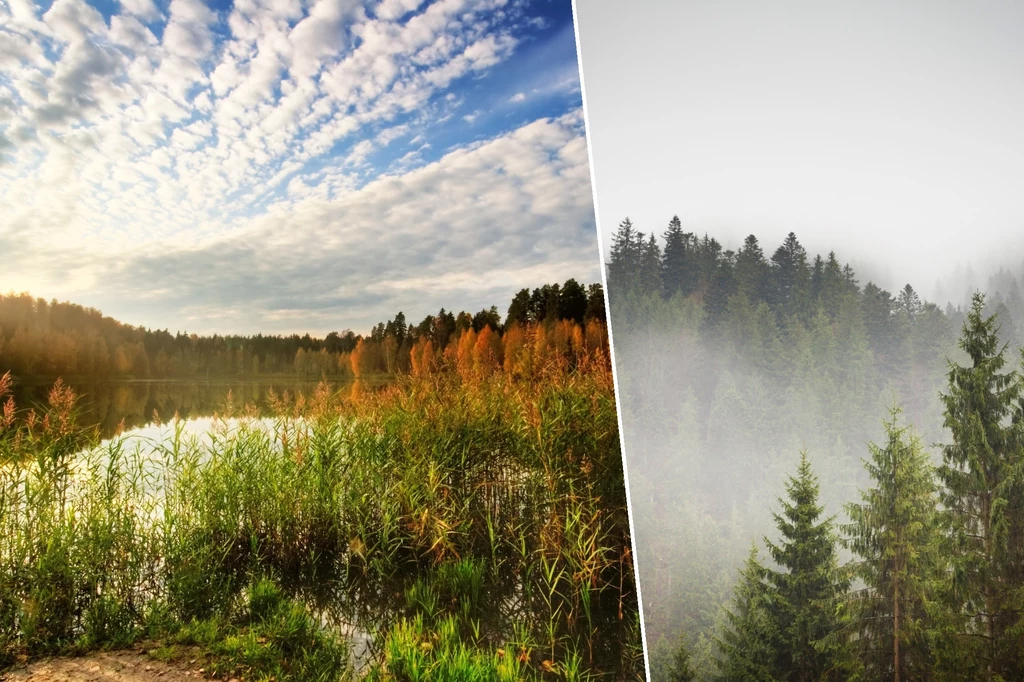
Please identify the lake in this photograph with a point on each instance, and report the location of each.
(140, 403)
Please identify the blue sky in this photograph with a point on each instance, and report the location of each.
(290, 165)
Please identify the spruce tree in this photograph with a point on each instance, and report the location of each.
(983, 506)
(790, 276)
(650, 266)
(624, 260)
(832, 285)
(681, 670)
(807, 593)
(674, 259)
(748, 648)
(752, 270)
(716, 301)
(895, 532)
(709, 251)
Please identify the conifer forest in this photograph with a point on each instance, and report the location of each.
(827, 477)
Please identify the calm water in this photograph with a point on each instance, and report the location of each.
(139, 403)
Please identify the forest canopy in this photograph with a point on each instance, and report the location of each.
(730, 363)
(40, 338)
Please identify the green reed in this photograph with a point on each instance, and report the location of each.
(473, 529)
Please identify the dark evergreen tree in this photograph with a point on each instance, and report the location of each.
(895, 532)
(752, 270)
(650, 266)
(595, 302)
(681, 670)
(908, 303)
(709, 252)
(519, 309)
(487, 318)
(832, 286)
(675, 259)
(624, 260)
(790, 276)
(983, 507)
(877, 305)
(572, 301)
(716, 301)
(807, 592)
(748, 647)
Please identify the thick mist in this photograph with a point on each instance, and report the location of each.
(889, 132)
(726, 380)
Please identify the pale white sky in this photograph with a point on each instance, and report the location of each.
(891, 132)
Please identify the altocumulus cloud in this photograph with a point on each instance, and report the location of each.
(282, 165)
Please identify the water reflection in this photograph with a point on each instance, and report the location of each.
(139, 403)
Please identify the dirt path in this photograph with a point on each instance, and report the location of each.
(106, 666)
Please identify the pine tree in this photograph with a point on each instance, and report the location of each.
(748, 649)
(674, 259)
(832, 285)
(624, 260)
(709, 251)
(790, 275)
(650, 266)
(716, 301)
(595, 302)
(908, 303)
(681, 670)
(984, 516)
(519, 309)
(572, 301)
(751, 270)
(807, 592)
(895, 532)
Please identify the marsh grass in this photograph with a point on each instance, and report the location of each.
(474, 527)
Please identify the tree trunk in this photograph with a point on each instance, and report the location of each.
(896, 629)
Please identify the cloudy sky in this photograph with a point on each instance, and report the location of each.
(892, 132)
(290, 165)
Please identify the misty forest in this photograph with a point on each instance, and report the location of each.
(464, 520)
(827, 478)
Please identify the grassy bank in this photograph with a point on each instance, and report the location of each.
(447, 527)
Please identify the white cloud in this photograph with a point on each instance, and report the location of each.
(107, 131)
(143, 9)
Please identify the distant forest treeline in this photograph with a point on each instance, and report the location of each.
(50, 339)
(731, 362)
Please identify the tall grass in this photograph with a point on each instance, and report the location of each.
(472, 527)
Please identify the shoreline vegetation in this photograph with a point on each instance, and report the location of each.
(42, 339)
(467, 521)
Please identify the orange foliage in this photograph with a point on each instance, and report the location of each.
(487, 352)
(421, 358)
(356, 358)
(465, 345)
(517, 351)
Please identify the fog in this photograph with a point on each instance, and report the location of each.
(889, 132)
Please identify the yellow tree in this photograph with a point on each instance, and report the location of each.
(596, 337)
(516, 350)
(356, 358)
(464, 353)
(487, 352)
